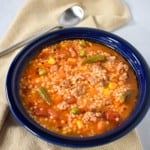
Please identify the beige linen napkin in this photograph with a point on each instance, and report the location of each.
(34, 15)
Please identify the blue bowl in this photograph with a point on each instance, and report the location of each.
(119, 45)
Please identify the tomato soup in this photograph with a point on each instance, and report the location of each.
(79, 88)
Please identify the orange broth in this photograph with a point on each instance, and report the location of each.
(79, 88)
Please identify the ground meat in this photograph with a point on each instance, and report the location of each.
(95, 106)
(63, 105)
(99, 77)
(111, 58)
(78, 91)
(121, 93)
(122, 67)
(123, 77)
(89, 116)
(66, 83)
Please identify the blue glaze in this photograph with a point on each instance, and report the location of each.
(118, 44)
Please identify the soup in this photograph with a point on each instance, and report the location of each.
(79, 88)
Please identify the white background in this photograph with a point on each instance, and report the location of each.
(136, 32)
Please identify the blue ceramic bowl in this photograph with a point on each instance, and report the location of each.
(118, 44)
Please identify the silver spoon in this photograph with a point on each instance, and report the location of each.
(69, 18)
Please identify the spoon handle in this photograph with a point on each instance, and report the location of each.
(28, 40)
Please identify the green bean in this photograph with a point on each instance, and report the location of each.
(75, 110)
(94, 59)
(42, 72)
(124, 96)
(43, 94)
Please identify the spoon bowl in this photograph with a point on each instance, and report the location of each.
(69, 18)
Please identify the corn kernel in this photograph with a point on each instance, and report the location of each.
(82, 52)
(112, 85)
(64, 132)
(90, 44)
(106, 91)
(72, 60)
(51, 61)
(79, 124)
(63, 45)
(83, 43)
(84, 68)
(39, 64)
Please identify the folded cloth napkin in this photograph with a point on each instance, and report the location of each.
(35, 15)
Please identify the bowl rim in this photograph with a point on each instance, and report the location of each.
(109, 39)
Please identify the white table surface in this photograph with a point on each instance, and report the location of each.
(136, 32)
